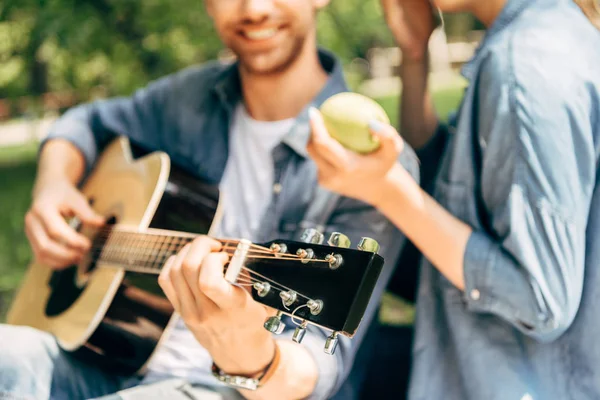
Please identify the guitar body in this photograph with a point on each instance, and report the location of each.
(104, 313)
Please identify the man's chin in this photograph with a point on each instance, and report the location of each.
(265, 67)
(273, 62)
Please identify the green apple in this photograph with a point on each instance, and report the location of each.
(347, 116)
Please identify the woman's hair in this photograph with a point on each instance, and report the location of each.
(591, 8)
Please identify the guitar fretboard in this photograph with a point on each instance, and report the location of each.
(143, 252)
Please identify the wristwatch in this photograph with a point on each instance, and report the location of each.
(248, 382)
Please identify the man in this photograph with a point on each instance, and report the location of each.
(246, 127)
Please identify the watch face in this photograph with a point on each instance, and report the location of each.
(238, 382)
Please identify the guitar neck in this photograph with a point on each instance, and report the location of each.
(145, 251)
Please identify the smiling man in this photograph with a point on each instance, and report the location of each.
(245, 127)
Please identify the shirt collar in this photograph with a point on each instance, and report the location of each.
(228, 89)
(512, 9)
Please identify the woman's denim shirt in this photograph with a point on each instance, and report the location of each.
(527, 325)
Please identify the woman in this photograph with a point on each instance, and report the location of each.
(508, 292)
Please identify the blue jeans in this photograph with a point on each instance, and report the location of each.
(33, 367)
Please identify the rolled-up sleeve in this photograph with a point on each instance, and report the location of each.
(537, 181)
(90, 126)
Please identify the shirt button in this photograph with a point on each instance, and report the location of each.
(277, 188)
(475, 294)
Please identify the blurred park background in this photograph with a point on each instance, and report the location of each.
(55, 54)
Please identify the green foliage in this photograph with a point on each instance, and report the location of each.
(117, 46)
(78, 44)
(351, 27)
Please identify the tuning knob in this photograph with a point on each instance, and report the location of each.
(311, 235)
(339, 240)
(368, 244)
(331, 343)
(274, 325)
(299, 333)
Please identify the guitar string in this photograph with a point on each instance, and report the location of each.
(273, 283)
(107, 232)
(166, 246)
(149, 256)
(152, 254)
(158, 247)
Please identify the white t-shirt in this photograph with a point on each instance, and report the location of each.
(246, 190)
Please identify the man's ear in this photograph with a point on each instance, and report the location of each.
(320, 3)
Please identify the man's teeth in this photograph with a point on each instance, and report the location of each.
(261, 34)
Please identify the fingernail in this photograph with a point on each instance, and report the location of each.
(376, 126)
(312, 112)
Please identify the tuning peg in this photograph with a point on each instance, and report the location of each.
(315, 306)
(299, 332)
(311, 235)
(368, 244)
(337, 239)
(334, 260)
(262, 288)
(305, 255)
(279, 248)
(288, 298)
(331, 343)
(274, 325)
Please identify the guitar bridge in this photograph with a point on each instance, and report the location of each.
(237, 261)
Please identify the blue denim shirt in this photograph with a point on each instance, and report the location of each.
(527, 325)
(188, 115)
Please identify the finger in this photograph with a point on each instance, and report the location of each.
(391, 144)
(199, 249)
(164, 281)
(48, 260)
(320, 161)
(213, 284)
(47, 250)
(324, 144)
(325, 171)
(184, 293)
(58, 229)
(82, 210)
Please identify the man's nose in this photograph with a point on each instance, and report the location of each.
(258, 10)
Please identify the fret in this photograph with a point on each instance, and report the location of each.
(140, 250)
(160, 258)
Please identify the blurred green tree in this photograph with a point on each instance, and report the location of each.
(78, 46)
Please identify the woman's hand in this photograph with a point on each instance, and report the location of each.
(362, 177)
(412, 23)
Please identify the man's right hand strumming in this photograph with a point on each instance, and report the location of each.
(56, 197)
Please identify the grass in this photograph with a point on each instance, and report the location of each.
(17, 170)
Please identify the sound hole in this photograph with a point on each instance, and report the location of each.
(67, 285)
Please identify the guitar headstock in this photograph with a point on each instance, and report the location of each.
(324, 285)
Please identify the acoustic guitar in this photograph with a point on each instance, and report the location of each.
(109, 308)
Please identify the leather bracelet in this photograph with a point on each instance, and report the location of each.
(245, 382)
